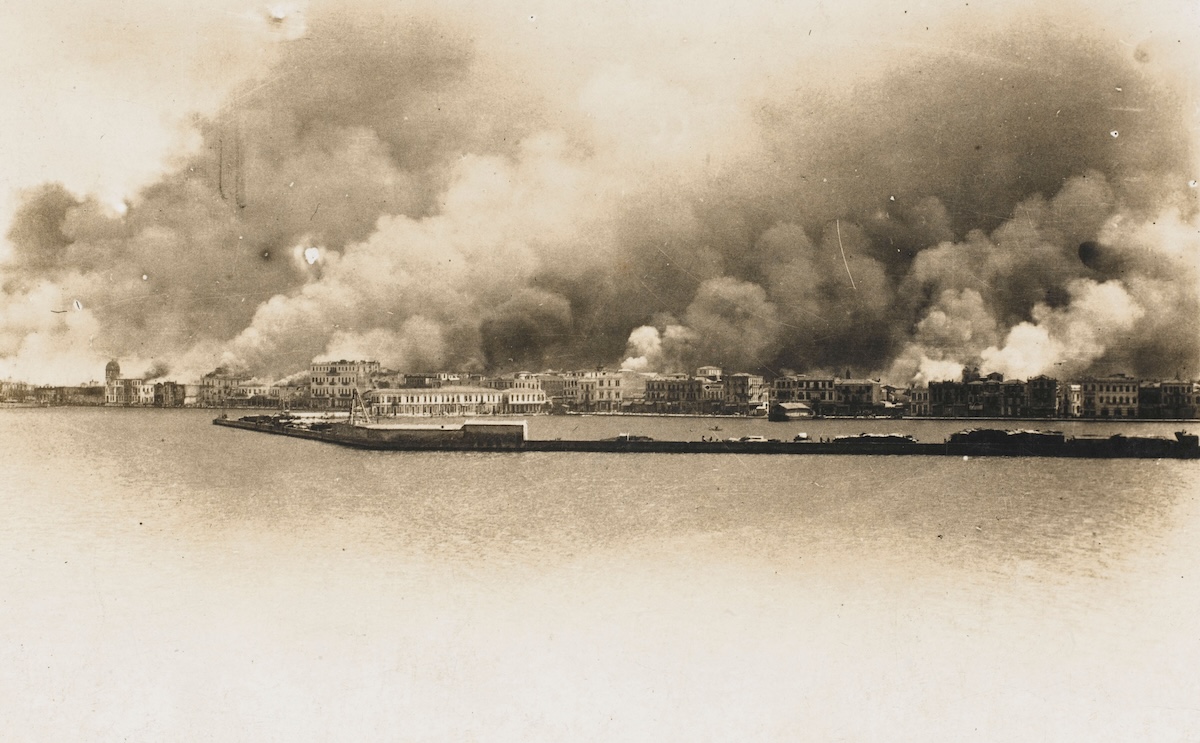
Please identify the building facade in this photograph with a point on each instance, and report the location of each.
(746, 394)
(450, 400)
(1115, 396)
(332, 383)
(818, 393)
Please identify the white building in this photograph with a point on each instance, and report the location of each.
(332, 383)
(523, 394)
(434, 401)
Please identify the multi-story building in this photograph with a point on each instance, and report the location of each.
(984, 396)
(11, 391)
(818, 393)
(124, 391)
(523, 394)
(746, 394)
(118, 390)
(571, 389)
(1042, 397)
(554, 386)
(600, 392)
(1150, 399)
(1013, 399)
(389, 379)
(948, 399)
(221, 387)
(259, 393)
(674, 393)
(918, 402)
(411, 379)
(85, 394)
(332, 383)
(1070, 400)
(1179, 399)
(168, 394)
(450, 400)
(712, 395)
(857, 396)
(1114, 396)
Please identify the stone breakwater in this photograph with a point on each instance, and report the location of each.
(512, 437)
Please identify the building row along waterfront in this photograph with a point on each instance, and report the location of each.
(1114, 396)
(332, 385)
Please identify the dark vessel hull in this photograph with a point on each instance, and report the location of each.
(454, 439)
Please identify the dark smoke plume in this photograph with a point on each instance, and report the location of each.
(415, 190)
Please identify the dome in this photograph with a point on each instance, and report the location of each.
(112, 370)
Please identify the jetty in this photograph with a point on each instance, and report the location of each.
(512, 436)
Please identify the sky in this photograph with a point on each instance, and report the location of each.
(881, 189)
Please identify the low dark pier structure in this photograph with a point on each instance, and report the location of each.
(512, 436)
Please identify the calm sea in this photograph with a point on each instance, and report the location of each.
(165, 579)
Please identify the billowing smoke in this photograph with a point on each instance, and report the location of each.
(418, 187)
(157, 370)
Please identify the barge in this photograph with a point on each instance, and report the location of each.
(512, 436)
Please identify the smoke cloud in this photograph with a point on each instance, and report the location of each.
(437, 188)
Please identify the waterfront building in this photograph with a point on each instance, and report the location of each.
(11, 391)
(712, 395)
(1070, 400)
(984, 395)
(414, 380)
(918, 402)
(220, 387)
(857, 396)
(88, 394)
(389, 379)
(674, 393)
(116, 389)
(1114, 396)
(818, 393)
(258, 393)
(522, 393)
(600, 392)
(746, 394)
(332, 383)
(1179, 399)
(168, 394)
(450, 400)
(570, 389)
(948, 399)
(119, 390)
(554, 386)
(1150, 399)
(1013, 399)
(1042, 397)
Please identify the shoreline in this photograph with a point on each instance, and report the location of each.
(13, 405)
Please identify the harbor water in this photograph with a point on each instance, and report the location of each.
(162, 578)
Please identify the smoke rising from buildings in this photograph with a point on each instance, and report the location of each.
(448, 189)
